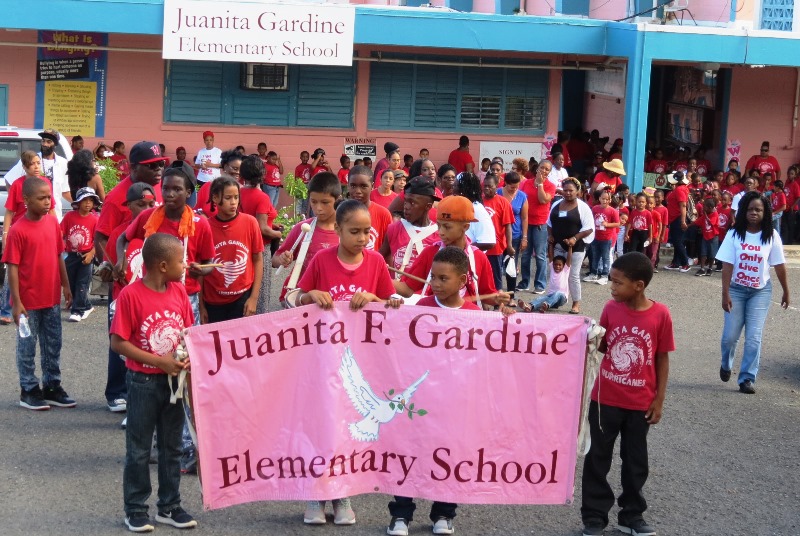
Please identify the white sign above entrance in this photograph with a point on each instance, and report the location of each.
(257, 32)
(509, 150)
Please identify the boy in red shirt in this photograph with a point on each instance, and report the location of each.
(633, 374)
(708, 222)
(78, 228)
(36, 272)
(360, 183)
(502, 216)
(454, 215)
(150, 315)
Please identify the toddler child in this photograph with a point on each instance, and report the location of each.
(708, 223)
(347, 272)
(150, 315)
(633, 374)
(557, 292)
(78, 228)
(36, 273)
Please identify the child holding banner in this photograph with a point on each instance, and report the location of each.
(347, 272)
(150, 315)
(633, 374)
(232, 289)
(453, 219)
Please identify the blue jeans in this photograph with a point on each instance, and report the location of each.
(79, 276)
(149, 411)
(304, 207)
(496, 262)
(600, 263)
(776, 222)
(45, 326)
(274, 193)
(115, 378)
(676, 235)
(5, 298)
(553, 301)
(537, 245)
(749, 311)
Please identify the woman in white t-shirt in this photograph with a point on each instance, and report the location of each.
(747, 253)
(208, 160)
(481, 233)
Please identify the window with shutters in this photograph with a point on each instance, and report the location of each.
(444, 97)
(238, 94)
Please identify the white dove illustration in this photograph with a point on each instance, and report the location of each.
(375, 410)
(230, 270)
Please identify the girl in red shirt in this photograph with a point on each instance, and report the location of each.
(347, 272)
(640, 225)
(344, 160)
(652, 250)
(231, 290)
(778, 201)
(383, 194)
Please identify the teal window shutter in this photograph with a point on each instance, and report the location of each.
(194, 92)
(436, 97)
(390, 96)
(325, 96)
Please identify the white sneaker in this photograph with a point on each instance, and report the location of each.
(443, 525)
(603, 280)
(86, 313)
(75, 317)
(343, 512)
(397, 527)
(124, 423)
(590, 277)
(315, 513)
(118, 405)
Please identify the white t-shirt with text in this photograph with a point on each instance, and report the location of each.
(750, 258)
(212, 156)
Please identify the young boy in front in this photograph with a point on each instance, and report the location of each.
(37, 276)
(150, 315)
(633, 374)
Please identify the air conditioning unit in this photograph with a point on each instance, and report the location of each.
(264, 76)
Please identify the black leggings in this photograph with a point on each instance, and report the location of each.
(227, 311)
(638, 238)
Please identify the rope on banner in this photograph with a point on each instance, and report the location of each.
(593, 358)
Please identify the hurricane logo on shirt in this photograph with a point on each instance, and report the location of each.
(723, 220)
(231, 270)
(600, 221)
(164, 335)
(640, 223)
(627, 356)
(490, 211)
(78, 237)
(373, 238)
(135, 264)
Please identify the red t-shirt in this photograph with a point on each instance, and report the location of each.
(133, 258)
(253, 201)
(703, 167)
(680, 165)
(399, 240)
(763, 165)
(734, 189)
(724, 221)
(430, 301)
(679, 195)
(303, 171)
(601, 216)
(778, 200)
(200, 246)
(537, 212)
(459, 160)
(321, 239)
(16, 202)
(204, 200)
(327, 273)
(383, 200)
(342, 174)
(121, 161)
(115, 210)
(502, 214)
(792, 191)
(235, 241)
(708, 224)
(272, 175)
(422, 268)
(78, 231)
(657, 223)
(603, 177)
(380, 219)
(640, 220)
(35, 247)
(628, 369)
(152, 321)
(319, 169)
(656, 166)
(662, 211)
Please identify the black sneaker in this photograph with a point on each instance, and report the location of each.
(139, 522)
(56, 396)
(33, 399)
(700, 272)
(593, 529)
(709, 271)
(724, 375)
(177, 517)
(637, 528)
(747, 387)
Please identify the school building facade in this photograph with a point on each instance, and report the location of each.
(689, 73)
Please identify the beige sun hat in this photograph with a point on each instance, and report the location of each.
(615, 166)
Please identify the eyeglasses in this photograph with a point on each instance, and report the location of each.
(155, 165)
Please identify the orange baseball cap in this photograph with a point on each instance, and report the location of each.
(455, 208)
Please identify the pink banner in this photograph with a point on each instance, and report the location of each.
(458, 406)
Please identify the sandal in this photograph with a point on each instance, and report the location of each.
(574, 312)
(526, 307)
(5, 320)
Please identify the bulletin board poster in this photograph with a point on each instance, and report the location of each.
(71, 83)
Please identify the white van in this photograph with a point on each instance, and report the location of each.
(14, 141)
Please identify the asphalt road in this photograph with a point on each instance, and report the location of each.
(720, 462)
